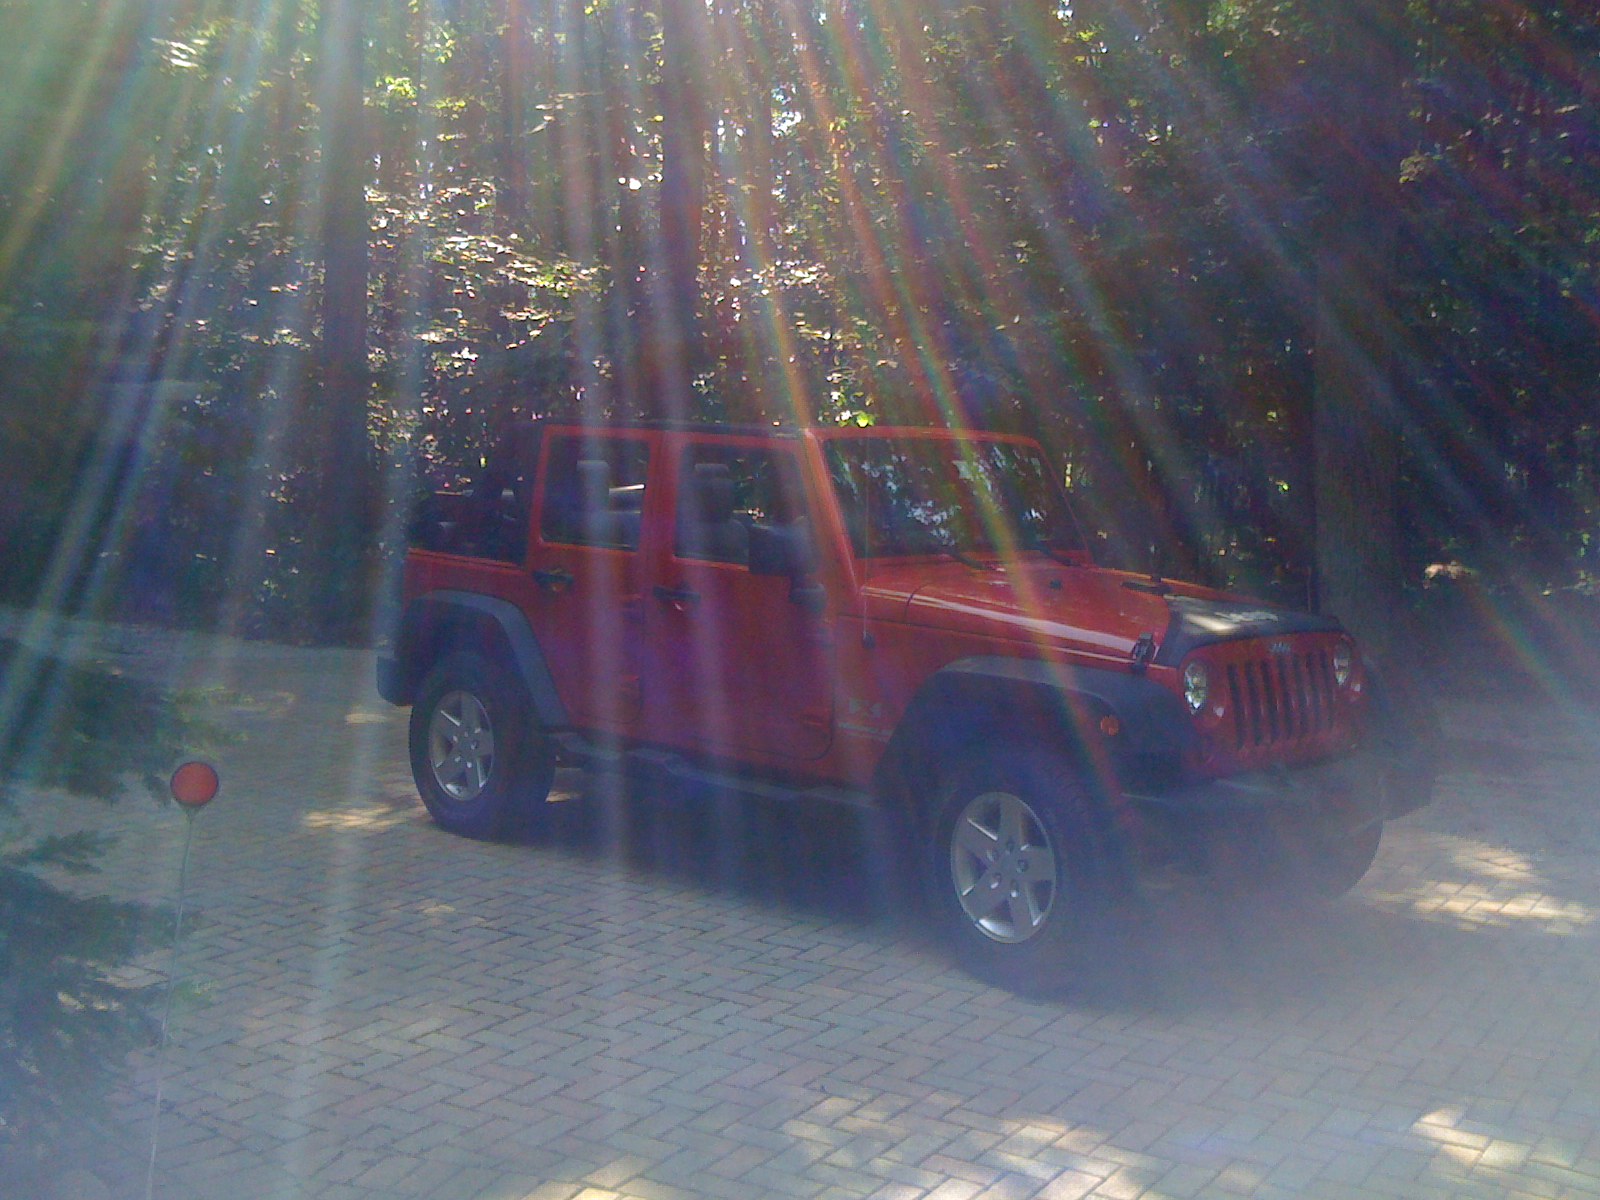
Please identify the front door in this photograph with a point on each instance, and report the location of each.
(739, 662)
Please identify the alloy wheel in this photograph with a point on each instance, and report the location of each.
(1003, 867)
(461, 746)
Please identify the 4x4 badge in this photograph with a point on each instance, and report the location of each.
(1281, 649)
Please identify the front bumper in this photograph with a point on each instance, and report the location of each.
(1338, 795)
(1248, 826)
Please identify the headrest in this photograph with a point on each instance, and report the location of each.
(594, 483)
(713, 492)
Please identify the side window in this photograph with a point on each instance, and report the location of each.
(490, 520)
(594, 491)
(729, 496)
(505, 495)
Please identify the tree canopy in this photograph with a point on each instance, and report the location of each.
(1138, 229)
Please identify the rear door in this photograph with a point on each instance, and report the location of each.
(587, 572)
(737, 662)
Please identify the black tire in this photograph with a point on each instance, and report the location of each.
(1017, 873)
(480, 760)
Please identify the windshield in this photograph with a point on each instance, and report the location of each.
(905, 495)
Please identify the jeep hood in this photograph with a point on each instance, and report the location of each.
(1200, 620)
(1088, 610)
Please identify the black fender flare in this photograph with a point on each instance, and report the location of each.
(1065, 705)
(452, 618)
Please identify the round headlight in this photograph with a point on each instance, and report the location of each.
(1343, 660)
(1196, 685)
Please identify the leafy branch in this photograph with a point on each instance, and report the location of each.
(68, 1014)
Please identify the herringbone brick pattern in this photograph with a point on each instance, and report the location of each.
(693, 1000)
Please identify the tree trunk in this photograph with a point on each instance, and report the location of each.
(341, 517)
(1355, 451)
(676, 295)
(511, 163)
(1355, 420)
(344, 211)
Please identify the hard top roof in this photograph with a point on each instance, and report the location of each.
(668, 426)
(747, 430)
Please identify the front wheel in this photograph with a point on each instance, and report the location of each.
(1017, 872)
(478, 755)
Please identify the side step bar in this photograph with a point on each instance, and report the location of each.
(579, 750)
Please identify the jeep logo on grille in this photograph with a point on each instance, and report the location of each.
(1280, 649)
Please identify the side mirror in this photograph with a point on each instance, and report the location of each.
(784, 550)
(1160, 561)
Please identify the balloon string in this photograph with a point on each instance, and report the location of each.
(166, 1011)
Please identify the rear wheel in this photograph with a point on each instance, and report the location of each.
(478, 756)
(1016, 872)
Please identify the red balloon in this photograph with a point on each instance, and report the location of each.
(195, 784)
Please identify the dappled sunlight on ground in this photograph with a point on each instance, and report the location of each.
(1496, 888)
(668, 997)
(1464, 1147)
(1468, 1152)
(369, 817)
(1490, 862)
(274, 705)
(1511, 839)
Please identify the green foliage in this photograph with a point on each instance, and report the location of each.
(65, 1023)
(87, 730)
(1098, 222)
(66, 1018)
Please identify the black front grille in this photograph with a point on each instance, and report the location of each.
(1281, 699)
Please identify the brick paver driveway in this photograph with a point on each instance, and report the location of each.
(712, 1002)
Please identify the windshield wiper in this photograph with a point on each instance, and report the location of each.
(1040, 546)
(965, 559)
(1060, 556)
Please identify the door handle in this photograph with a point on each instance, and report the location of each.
(811, 598)
(555, 580)
(677, 596)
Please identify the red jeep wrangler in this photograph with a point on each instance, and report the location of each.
(904, 617)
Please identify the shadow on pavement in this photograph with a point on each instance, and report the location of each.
(833, 861)
(1187, 952)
